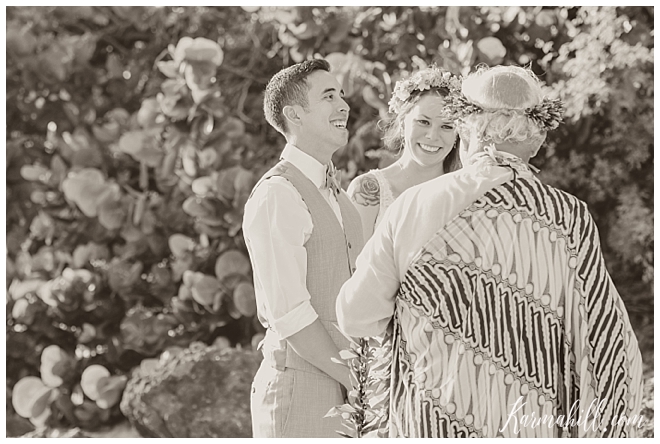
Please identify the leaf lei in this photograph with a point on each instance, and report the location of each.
(547, 114)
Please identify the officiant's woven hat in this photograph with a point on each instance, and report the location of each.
(507, 91)
(508, 87)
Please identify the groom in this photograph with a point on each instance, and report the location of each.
(303, 236)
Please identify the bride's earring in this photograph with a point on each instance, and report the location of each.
(457, 143)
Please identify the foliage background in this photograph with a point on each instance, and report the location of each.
(128, 163)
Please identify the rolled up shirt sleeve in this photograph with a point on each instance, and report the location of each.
(365, 303)
(276, 226)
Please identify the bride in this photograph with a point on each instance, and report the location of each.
(419, 129)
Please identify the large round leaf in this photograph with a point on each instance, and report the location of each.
(347, 68)
(230, 262)
(180, 244)
(224, 183)
(142, 146)
(305, 30)
(18, 289)
(108, 132)
(92, 378)
(146, 331)
(44, 260)
(42, 226)
(46, 294)
(77, 395)
(86, 188)
(256, 340)
(189, 159)
(493, 48)
(545, 18)
(180, 265)
(53, 63)
(190, 278)
(198, 207)
(232, 127)
(91, 251)
(55, 365)
(149, 114)
(24, 311)
(87, 412)
(370, 96)
(202, 186)
(58, 170)
(87, 333)
(28, 393)
(82, 274)
(83, 150)
(170, 68)
(244, 299)
(243, 183)
(185, 292)
(199, 49)
(110, 391)
(20, 40)
(208, 156)
(122, 274)
(35, 172)
(112, 213)
(205, 289)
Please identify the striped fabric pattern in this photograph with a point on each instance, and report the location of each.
(508, 316)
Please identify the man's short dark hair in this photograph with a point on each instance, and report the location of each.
(289, 87)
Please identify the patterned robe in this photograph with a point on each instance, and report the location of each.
(507, 324)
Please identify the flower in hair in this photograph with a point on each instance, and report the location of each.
(425, 79)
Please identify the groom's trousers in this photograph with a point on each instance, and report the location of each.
(292, 403)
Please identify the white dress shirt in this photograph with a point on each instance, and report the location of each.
(276, 226)
(414, 217)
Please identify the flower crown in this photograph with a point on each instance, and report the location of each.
(432, 77)
(547, 114)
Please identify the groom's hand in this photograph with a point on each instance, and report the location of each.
(314, 344)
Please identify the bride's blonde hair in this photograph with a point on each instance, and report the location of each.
(504, 93)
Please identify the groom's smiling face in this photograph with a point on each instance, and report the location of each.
(325, 118)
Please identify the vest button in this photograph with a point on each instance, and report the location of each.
(349, 245)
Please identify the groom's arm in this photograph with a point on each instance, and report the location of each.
(314, 344)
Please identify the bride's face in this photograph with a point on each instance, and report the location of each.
(428, 136)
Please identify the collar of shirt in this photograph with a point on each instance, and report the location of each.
(310, 167)
(482, 161)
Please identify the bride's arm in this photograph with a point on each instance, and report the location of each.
(364, 193)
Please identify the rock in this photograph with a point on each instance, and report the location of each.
(201, 392)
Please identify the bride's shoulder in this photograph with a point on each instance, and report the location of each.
(365, 189)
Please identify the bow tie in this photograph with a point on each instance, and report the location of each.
(331, 179)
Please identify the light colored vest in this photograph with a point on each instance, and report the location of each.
(331, 255)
